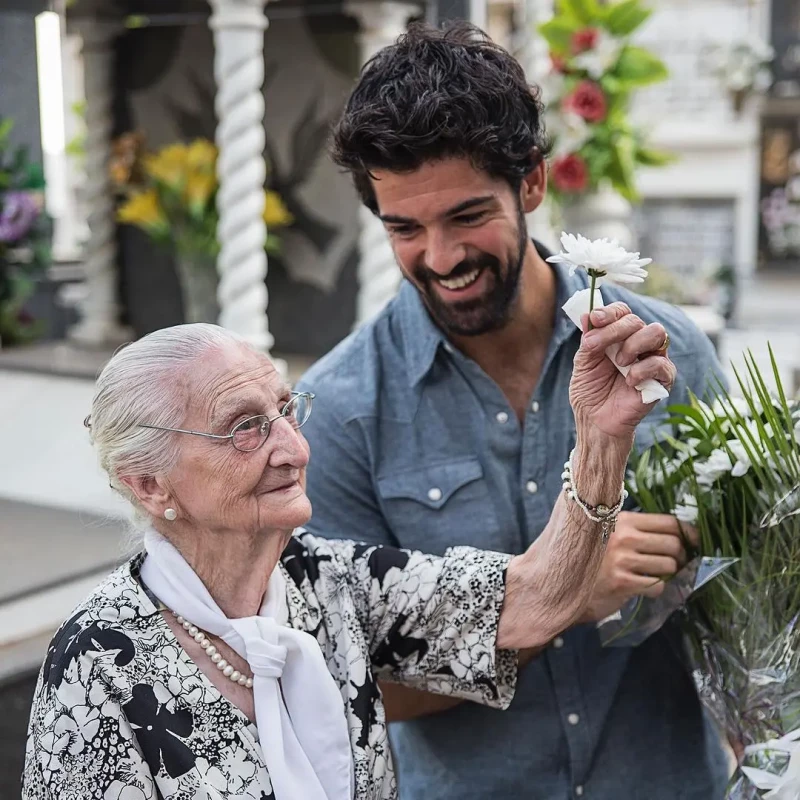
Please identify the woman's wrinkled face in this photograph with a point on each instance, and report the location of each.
(220, 488)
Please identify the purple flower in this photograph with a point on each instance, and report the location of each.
(18, 212)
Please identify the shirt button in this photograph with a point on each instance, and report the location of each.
(535, 406)
(573, 719)
(434, 494)
(502, 417)
(532, 487)
(579, 791)
(558, 643)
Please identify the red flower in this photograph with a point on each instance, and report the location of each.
(587, 101)
(584, 39)
(570, 174)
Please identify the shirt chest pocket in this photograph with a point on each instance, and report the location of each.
(436, 506)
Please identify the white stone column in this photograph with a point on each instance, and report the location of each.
(99, 323)
(381, 21)
(534, 55)
(238, 27)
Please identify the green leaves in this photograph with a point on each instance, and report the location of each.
(583, 12)
(638, 67)
(622, 19)
(557, 32)
(622, 167)
(654, 158)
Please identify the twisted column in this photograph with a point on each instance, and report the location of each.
(99, 323)
(381, 22)
(238, 27)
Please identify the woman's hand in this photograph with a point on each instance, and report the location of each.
(603, 400)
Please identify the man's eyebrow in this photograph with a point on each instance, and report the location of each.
(460, 208)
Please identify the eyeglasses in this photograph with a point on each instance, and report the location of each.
(249, 434)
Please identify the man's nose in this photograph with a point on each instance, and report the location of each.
(443, 253)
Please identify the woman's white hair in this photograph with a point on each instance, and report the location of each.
(144, 383)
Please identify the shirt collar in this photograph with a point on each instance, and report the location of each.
(422, 337)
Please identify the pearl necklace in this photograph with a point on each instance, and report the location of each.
(222, 665)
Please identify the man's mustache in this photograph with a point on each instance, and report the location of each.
(459, 270)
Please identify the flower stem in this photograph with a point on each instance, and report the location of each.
(593, 277)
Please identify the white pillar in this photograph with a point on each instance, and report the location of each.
(238, 27)
(381, 21)
(99, 323)
(535, 59)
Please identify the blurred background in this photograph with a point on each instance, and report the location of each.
(676, 126)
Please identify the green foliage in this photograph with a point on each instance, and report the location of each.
(743, 623)
(591, 45)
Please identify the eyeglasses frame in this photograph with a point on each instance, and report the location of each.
(218, 436)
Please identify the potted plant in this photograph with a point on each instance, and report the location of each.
(596, 149)
(24, 239)
(171, 195)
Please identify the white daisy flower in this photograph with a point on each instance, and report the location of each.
(686, 510)
(601, 258)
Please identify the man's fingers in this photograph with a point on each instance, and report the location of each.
(648, 340)
(650, 523)
(655, 566)
(656, 544)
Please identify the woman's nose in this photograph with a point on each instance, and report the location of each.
(288, 447)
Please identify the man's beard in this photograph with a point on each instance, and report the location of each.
(491, 311)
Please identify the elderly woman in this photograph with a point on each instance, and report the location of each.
(237, 656)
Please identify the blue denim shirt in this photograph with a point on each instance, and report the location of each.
(414, 445)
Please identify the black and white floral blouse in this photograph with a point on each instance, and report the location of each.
(122, 713)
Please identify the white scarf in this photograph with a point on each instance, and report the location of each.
(299, 710)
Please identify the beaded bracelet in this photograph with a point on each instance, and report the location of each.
(605, 515)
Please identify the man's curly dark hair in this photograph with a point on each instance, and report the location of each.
(439, 93)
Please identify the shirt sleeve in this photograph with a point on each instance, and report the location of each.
(80, 743)
(431, 622)
(339, 481)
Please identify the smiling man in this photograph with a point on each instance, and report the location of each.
(446, 421)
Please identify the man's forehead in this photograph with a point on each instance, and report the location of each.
(441, 184)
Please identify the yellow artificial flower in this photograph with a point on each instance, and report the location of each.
(168, 166)
(143, 210)
(199, 188)
(276, 215)
(202, 155)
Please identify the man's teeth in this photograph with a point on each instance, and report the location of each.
(460, 283)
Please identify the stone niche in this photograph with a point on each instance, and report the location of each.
(164, 87)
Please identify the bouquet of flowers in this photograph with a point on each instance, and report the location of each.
(24, 238)
(171, 195)
(731, 470)
(595, 70)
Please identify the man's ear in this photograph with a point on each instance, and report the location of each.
(151, 493)
(534, 187)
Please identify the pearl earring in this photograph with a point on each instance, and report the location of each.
(170, 514)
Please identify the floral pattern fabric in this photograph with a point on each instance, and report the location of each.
(122, 713)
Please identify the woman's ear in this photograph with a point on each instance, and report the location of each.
(534, 187)
(150, 492)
